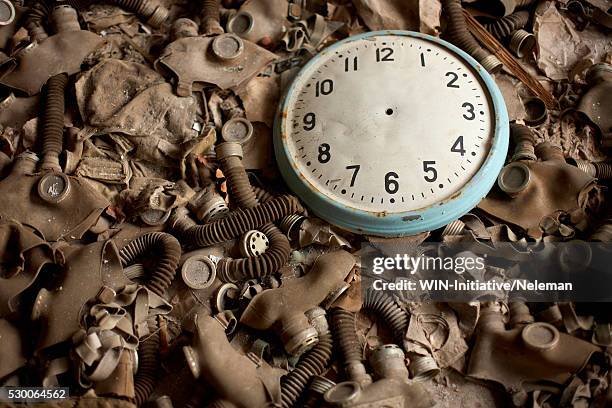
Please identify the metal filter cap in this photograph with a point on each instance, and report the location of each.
(254, 243)
(241, 23)
(343, 393)
(237, 130)
(540, 336)
(198, 272)
(514, 178)
(54, 187)
(536, 111)
(227, 46)
(154, 216)
(7, 12)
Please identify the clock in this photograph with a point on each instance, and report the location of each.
(391, 133)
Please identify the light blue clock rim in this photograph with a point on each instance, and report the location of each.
(407, 222)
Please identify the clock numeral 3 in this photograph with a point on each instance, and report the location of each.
(391, 184)
(324, 87)
(469, 115)
(428, 167)
(324, 153)
(310, 121)
(384, 55)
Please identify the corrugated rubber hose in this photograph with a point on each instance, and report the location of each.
(238, 222)
(53, 129)
(210, 10)
(262, 195)
(241, 191)
(159, 244)
(211, 17)
(151, 10)
(524, 3)
(343, 324)
(240, 188)
(385, 307)
(38, 15)
(457, 32)
(36, 19)
(233, 270)
(313, 363)
(505, 26)
(148, 365)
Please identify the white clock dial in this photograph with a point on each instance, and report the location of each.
(389, 124)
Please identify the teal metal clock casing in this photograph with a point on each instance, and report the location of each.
(391, 133)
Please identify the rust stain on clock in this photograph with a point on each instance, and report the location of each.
(411, 218)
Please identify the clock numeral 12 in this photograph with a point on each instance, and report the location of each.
(384, 54)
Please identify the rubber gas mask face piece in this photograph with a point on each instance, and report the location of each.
(63, 52)
(56, 205)
(225, 60)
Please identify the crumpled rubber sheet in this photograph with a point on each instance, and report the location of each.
(415, 15)
(131, 99)
(561, 46)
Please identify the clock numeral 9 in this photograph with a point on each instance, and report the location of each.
(324, 87)
(324, 153)
(391, 184)
(310, 121)
(428, 167)
(470, 111)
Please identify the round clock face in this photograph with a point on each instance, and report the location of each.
(389, 123)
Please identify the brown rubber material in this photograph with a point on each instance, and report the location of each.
(239, 222)
(505, 26)
(169, 251)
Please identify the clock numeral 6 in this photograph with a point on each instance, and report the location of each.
(324, 153)
(324, 87)
(391, 184)
(470, 111)
(310, 121)
(428, 167)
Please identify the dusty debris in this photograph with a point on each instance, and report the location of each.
(226, 61)
(159, 126)
(152, 254)
(561, 45)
